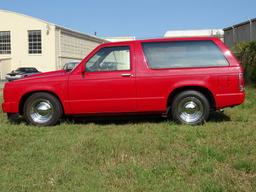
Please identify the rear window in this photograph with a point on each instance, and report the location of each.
(183, 54)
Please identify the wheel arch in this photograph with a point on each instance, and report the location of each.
(28, 94)
(205, 91)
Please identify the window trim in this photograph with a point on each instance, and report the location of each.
(114, 71)
(179, 68)
(9, 51)
(41, 42)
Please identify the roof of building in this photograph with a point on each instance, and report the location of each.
(193, 33)
(58, 26)
(240, 24)
(121, 38)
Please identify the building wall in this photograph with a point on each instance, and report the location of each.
(5, 67)
(229, 38)
(57, 49)
(19, 25)
(242, 32)
(74, 47)
(196, 33)
(59, 45)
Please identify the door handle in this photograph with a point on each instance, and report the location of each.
(126, 75)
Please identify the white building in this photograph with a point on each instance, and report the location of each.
(120, 39)
(30, 42)
(196, 33)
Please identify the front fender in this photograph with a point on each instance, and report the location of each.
(16, 93)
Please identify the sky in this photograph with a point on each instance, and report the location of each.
(140, 18)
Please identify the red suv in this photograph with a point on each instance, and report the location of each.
(183, 77)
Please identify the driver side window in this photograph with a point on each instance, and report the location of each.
(110, 59)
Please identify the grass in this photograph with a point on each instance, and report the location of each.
(132, 155)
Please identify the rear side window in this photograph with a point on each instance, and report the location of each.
(183, 54)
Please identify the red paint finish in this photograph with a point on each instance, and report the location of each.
(105, 91)
(140, 89)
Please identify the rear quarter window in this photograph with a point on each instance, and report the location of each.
(183, 54)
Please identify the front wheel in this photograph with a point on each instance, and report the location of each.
(42, 109)
(190, 107)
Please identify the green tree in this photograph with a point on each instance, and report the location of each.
(246, 53)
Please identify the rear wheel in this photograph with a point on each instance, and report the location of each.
(190, 107)
(42, 109)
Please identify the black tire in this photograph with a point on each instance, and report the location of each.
(48, 115)
(190, 107)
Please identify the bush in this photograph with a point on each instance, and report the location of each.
(246, 53)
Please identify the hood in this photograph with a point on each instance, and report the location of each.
(45, 75)
(48, 74)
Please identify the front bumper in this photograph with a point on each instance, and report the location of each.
(10, 107)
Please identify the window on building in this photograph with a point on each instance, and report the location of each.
(110, 59)
(5, 42)
(182, 54)
(34, 42)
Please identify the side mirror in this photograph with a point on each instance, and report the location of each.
(68, 68)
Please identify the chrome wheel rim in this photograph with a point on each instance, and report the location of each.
(190, 110)
(41, 111)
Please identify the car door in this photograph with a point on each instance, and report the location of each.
(106, 84)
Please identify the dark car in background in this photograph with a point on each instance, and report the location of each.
(21, 73)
